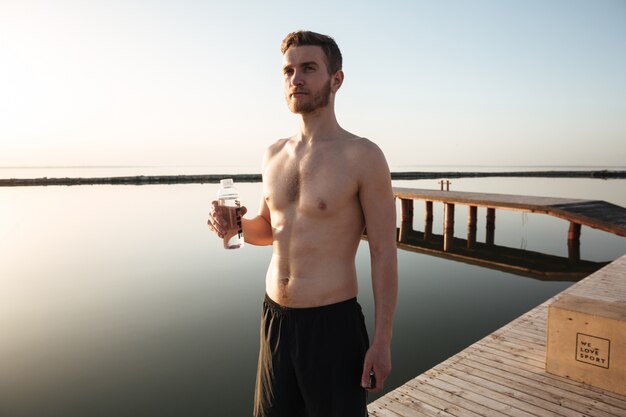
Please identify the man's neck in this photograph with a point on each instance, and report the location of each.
(319, 125)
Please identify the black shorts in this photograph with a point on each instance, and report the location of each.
(311, 360)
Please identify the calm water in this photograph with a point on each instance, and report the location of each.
(116, 301)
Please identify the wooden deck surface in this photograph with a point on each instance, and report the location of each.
(596, 214)
(504, 373)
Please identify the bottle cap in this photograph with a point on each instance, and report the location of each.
(227, 182)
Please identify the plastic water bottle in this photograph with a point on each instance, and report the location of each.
(230, 206)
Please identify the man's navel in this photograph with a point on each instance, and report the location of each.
(321, 204)
(283, 283)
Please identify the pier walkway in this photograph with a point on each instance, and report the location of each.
(504, 373)
(593, 213)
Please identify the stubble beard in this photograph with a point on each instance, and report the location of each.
(317, 101)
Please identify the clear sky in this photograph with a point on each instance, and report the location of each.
(123, 82)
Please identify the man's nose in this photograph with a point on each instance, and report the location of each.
(296, 79)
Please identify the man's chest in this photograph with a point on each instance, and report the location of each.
(316, 184)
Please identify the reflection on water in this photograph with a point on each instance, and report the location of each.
(115, 300)
(515, 261)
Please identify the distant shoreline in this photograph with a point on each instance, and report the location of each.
(251, 178)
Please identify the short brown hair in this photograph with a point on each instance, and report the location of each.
(328, 45)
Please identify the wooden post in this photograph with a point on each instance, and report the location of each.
(573, 242)
(428, 220)
(471, 226)
(406, 224)
(448, 228)
(491, 226)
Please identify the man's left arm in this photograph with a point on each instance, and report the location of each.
(379, 210)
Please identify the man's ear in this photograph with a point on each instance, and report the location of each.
(336, 80)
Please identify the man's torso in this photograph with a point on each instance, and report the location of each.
(312, 193)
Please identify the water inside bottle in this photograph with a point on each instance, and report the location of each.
(231, 210)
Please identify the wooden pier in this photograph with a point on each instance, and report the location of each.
(504, 373)
(592, 213)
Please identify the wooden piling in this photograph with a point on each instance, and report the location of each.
(406, 224)
(573, 242)
(491, 226)
(428, 220)
(471, 226)
(448, 228)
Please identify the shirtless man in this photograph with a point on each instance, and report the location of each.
(321, 188)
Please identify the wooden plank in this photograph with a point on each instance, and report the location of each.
(441, 399)
(451, 395)
(402, 401)
(530, 336)
(477, 388)
(380, 409)
(516, 335)
(608, 211)
(517, 354)
(511, 201)
(486, 405)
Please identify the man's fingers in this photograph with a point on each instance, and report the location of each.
(215, 228)
(216, 222)
(376, 369)
(378, 383)
(370, 380)
(365, 376)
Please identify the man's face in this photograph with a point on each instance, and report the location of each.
(306, 79)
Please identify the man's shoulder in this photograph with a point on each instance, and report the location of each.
(367, 159)
(279, 144)
(365, 144)
(365, 148)
(276, 147)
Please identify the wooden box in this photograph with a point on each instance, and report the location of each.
(587, 342)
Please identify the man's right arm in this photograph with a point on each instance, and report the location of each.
(258, 230)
